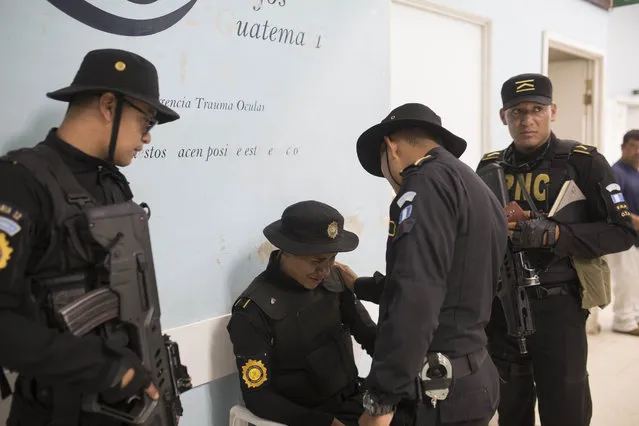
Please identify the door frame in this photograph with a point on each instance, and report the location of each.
(597, 58)
(618, 120)
(485, 25)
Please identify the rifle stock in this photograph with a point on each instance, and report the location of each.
(517, 276)
(121, 232)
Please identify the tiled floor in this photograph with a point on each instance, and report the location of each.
(613, 364)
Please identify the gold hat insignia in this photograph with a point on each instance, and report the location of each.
(524, 86)
(332, 230)
(120, 66)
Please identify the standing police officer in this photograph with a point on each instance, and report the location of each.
(536, 166)
(446, 241)
(113, 104)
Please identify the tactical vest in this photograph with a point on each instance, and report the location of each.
(66, 267)
(312, 351)
(543, 178)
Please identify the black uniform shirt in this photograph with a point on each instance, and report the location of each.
(251, 333)
(605, 226)
(25, 209)
(447, 240)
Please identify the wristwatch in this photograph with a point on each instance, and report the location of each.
(373, 407)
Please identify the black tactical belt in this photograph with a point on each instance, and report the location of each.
(541, 292)
(468, 364)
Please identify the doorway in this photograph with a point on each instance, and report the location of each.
(623, 116)
(463, 42)
(576, 72)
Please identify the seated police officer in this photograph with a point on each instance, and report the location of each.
(113, 104)
(291, 328)
(561, 249)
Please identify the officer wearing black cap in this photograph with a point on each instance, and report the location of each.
(446, 240)
(561, 250)
(113, 104)
(291, 328)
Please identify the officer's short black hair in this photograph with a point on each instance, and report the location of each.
(415, 135)
(82, 101)
(631, 135)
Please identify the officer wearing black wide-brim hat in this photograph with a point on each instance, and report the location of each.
(565, 252)
(113, 104)
(446, 240)
(291, 328)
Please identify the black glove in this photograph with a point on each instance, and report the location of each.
(530, 234)
(140, 381)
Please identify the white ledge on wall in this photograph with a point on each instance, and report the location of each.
(205, 349)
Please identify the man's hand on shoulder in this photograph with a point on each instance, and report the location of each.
(347, 274)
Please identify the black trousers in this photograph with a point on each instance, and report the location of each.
(554, 371)
(472, 401)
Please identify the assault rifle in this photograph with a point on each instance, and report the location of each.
(130, 299)
(517, 276)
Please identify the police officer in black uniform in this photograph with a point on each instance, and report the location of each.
(554, 370)
(291, 328)
(446, 240)
(113, 104)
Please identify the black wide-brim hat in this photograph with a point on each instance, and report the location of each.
(117, 71)
(310, 227)
(402, 117)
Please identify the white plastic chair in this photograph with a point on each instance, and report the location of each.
(241, 416)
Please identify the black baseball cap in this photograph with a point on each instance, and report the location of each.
(535, 88)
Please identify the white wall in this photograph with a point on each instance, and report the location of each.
(208, 213)
(623, 57)
(622, 74)
(518, 27)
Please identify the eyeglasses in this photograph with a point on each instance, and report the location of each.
(151, 121)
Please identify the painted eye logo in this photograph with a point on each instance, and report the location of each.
(101, 20)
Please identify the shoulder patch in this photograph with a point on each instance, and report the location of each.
(11, 220)
(11, 213)
(5, 251)
(9, 226)
(405, 213)
(492, 156)
(242, 303)
(254, 372)
(407, 196)
(584, 149)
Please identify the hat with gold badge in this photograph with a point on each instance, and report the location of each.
(121, 72)
(311, 227)
(535, 88)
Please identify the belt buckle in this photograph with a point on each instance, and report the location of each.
(440, 369)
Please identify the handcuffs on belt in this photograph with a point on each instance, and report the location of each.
(436, 376)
